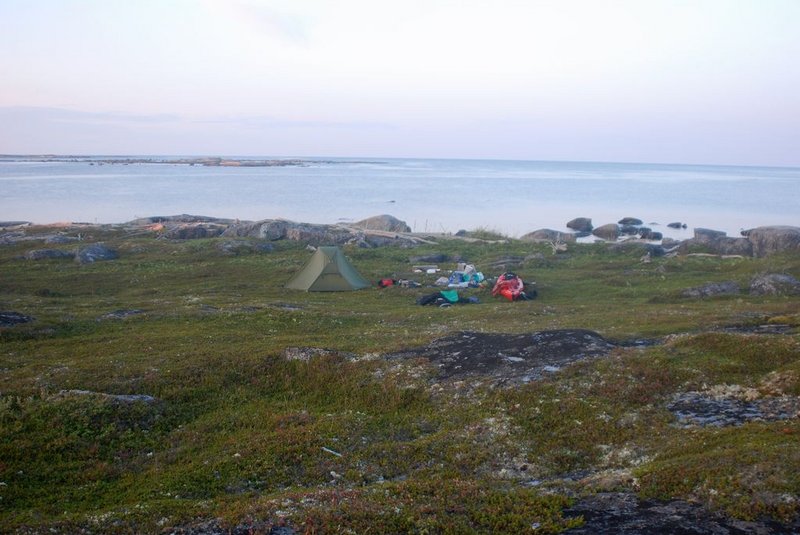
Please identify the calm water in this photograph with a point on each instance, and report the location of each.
(513, 197)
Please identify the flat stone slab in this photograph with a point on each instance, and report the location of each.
(619, 513)
(9, 319)
(509, 358)
(698, 409)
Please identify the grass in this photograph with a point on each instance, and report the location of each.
(240, 435)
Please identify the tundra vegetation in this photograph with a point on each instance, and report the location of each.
(154, 392)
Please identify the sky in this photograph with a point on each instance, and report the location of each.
(680, 81)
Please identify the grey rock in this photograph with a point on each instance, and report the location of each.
(699, 409)
(119, 398)
(630, 221)
(193, 231)
(776, 239)
(305, 354)
(704, 235)
(608, 232)
(9, 319)
(717, 242)
(95, 252)
(9, 224)
(279, 229)
(383, 222)
(47, 254)
(647, 234)
(507, 359)
(581, 224)
(619, 513)
(676, 224)
(733, 246)
(774, 284)
(712, 289)
(121, 314)
(182, 218)
(60, 238)
(547, 235)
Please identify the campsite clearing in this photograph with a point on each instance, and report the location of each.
(157, 391)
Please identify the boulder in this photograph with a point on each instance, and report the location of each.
(774, 284)
(647, 234)
(182, 218)
(113, 398)
(630, 221)
(733, 246)
(318, 234)
(774, 239)
(383, 222)
(721, 245)
(711, 290)
(46, 254)
(9, 319)
(628, 230)
(704, 235)
(193, 231)
(60, 238)
(10, 224)
(607, 232)
(581, 224)
(676, 224)
(95, 252)
(717, 242)
(548, 235)
(279, 229)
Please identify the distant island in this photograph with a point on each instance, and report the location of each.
(205, 161)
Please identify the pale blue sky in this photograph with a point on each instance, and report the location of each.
(681, 81)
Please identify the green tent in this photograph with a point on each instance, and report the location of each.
(328, 271)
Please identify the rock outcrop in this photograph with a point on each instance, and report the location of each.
(96, 252)
(758, 242)
(712, 289)
(9, 319)
(776, 239)
(581, 224)
(608, 232)
(508, 359)
(383, 222)
(717, 242)
(548, 235)
(47, 254)
(774, 284)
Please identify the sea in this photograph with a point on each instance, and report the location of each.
(442, 196)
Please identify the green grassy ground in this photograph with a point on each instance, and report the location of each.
(237, 432)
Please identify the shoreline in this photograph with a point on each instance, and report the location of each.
(509, 198)
(386, 230)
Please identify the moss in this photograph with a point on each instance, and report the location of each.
(237, 430)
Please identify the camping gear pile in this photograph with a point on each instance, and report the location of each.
(510, 286)
(328, 270)
(446, 298)
(465, 276)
